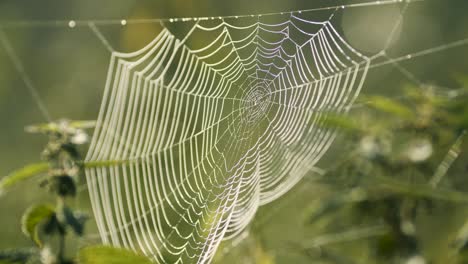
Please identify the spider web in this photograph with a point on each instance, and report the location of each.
(198, 129)
(205, 135)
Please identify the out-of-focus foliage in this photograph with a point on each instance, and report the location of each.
(48, 225)
(402, 172)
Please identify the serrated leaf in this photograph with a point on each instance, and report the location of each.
(106, 254)
(33, 217)
(105, 163)
(23, 174)
(75, 220)
(53, 226)
(390, 106)
(42, 128)
(17, 255)
(83, 124)
(63, 185)
(58, 126)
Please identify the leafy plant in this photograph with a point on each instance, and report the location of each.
(398, 174)
(59, 174)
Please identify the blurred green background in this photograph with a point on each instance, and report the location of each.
(69, 66)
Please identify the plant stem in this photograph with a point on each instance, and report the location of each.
(61, 250)
(62, 233)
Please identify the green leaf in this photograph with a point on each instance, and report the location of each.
(22, 174)
(105, 163)
(389, 106)
(33, 217)
(106, 254)
(17, 255)
(83, 124)
(58, 126)
(42, 128)
(63, 185)
(340, 121)
(419, 190)
(75, 220)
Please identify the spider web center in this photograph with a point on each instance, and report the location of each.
(256, 103)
